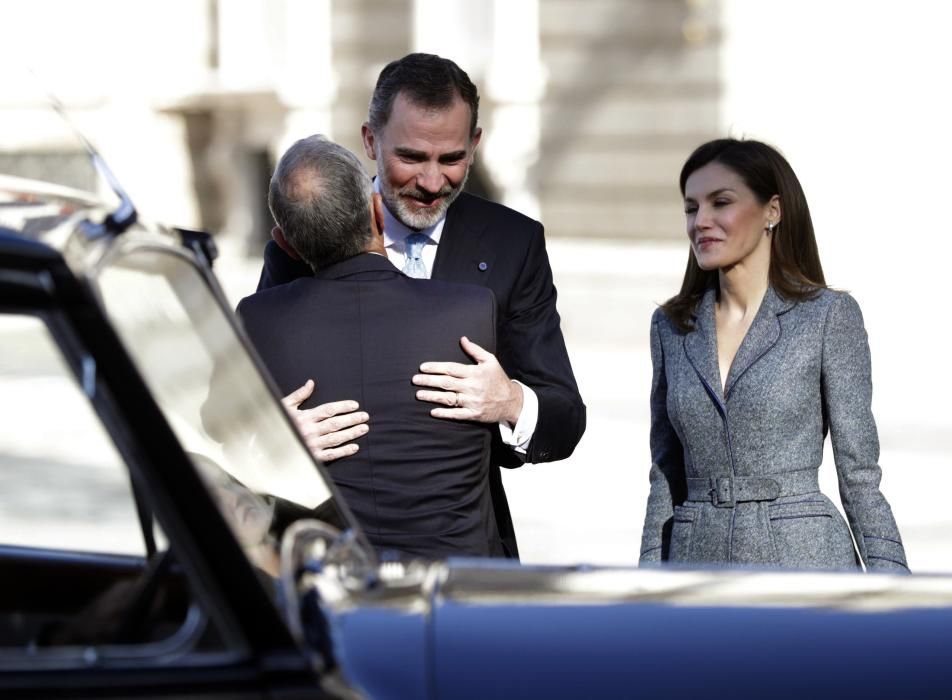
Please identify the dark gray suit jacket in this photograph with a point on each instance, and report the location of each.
(493, 246)
(418, 485)
(734, 472)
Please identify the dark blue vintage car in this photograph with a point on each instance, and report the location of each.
(227, 565)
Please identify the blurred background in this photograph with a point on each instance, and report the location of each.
(589, 108)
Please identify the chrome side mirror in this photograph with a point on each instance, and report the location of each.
(320, 567)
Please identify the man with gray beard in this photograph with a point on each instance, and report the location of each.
(422, 131)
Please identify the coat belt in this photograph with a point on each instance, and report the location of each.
(726, 491)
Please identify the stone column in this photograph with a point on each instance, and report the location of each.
(306, 82)
(515, 84)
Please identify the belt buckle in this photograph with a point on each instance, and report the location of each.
(722, 492)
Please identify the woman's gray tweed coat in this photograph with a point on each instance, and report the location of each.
(734, 472)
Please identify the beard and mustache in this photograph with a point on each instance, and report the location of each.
(405, 213)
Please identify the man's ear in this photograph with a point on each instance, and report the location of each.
(367, 134)
(278, 235)
(478, 134)
(376, 204)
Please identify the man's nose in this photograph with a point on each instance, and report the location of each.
(430, 177)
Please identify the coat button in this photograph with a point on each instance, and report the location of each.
(483, 266)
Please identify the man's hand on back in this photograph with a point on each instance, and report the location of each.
(480, 392)
(328, 429)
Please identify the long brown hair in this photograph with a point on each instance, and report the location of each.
(795, 271)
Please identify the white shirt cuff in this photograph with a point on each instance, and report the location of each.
(520, 436)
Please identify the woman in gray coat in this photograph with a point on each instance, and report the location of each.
(755, 360)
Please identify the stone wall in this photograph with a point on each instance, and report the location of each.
(633, 86)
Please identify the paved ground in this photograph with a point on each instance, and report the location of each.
(588, 508)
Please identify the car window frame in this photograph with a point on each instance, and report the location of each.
(249, 623)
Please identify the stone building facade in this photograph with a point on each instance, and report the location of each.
(588, 107)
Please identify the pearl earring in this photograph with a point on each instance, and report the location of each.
(770, 226)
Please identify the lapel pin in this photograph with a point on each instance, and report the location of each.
(483, 266)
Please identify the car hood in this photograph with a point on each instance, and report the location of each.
(485, 629)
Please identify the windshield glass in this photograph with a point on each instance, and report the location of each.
(40, 143)
(215, 399)
(47, 170)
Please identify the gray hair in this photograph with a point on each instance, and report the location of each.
(320, 196)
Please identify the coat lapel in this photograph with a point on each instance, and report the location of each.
(762, 335)
(700, 347)
(459, 253)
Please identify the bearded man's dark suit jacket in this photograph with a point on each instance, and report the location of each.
(418, 485)
(490, 245)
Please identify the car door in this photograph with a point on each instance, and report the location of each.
(97, 601)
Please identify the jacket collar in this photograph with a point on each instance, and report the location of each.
(700, 345)
(357, 265)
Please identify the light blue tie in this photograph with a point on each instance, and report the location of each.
(414, 266)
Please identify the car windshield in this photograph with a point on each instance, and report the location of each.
(214, 398)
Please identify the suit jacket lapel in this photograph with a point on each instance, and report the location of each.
(700, 347)
(458, 254)
(762, 335)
